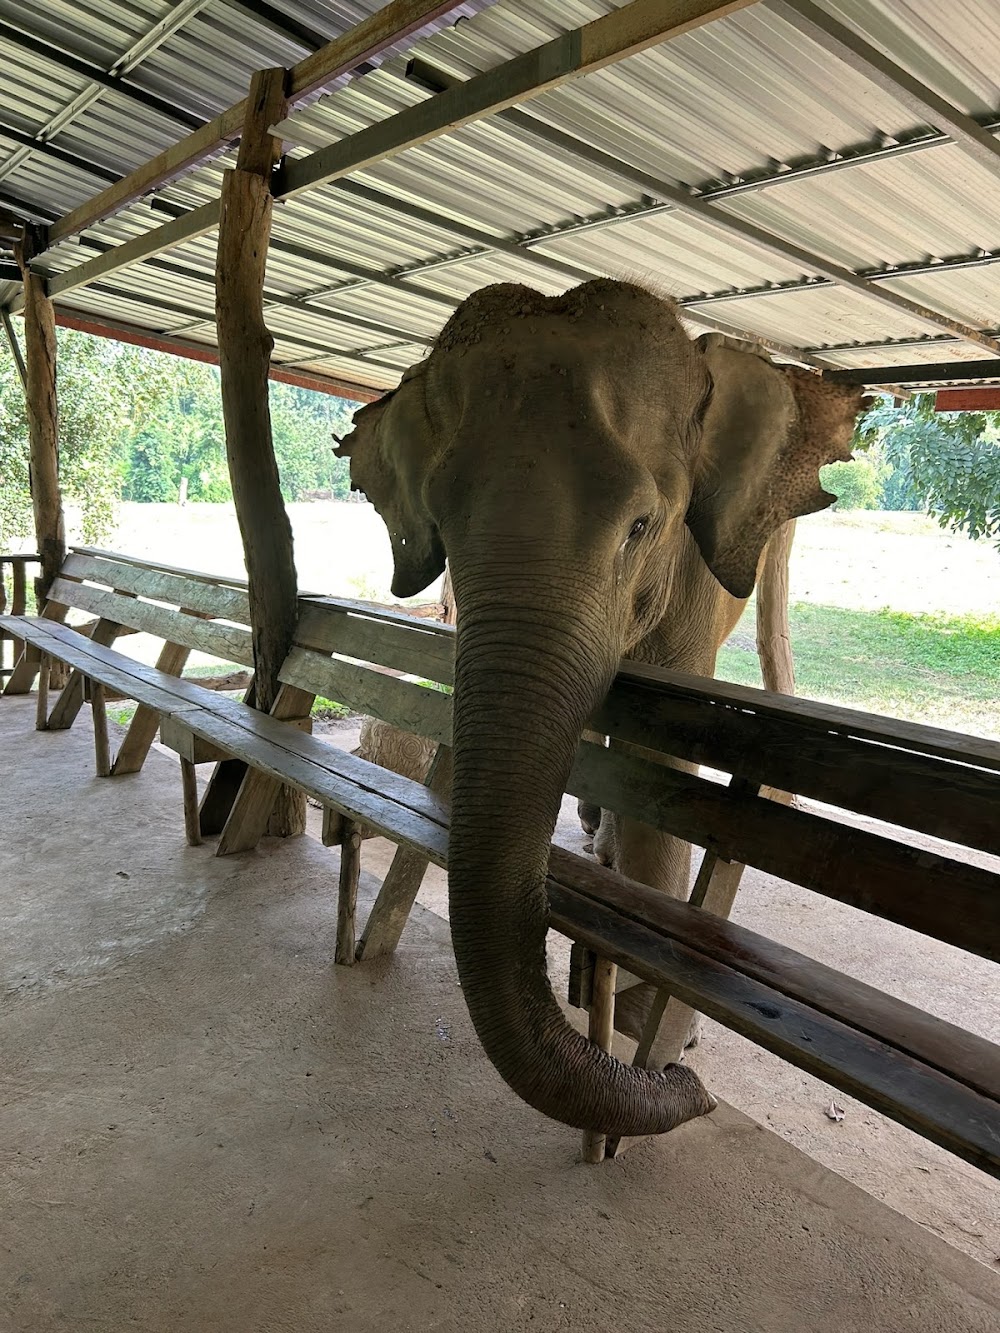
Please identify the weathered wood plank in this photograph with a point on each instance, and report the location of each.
(102, 749)
(133, 680)
(657, 682)
(389, 643)
(933, 1041)
(601, 1031)
(247, 821)
(145, 720)
(347, 896)
(196, 575)
(189, 790)
(392, 907)
(161, 584)
(905, 884)
(933, 1105)
(804, 754)
(228, 642)
(71, 697)
(413, 707)
(25, 669)
(351, 789)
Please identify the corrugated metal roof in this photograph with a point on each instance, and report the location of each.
(744, 97)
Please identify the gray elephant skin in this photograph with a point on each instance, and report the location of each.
(603, 487)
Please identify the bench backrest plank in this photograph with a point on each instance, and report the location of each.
(405, 704)
(387, 639)
(946, 899)
(162, 585)
(231, 643)
(137, 562)
(920, 777)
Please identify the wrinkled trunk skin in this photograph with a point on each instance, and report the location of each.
(526, 680)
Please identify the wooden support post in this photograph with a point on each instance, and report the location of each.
(43, 417)
(102, 750)
(42, 703)
(189, 788)
(601, 1030)
(146, 721)
(244, 359)
(347, 898)
(252, 809)
(774, 644)
(402, 882)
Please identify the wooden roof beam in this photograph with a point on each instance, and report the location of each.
(369, 38)
(623, 32)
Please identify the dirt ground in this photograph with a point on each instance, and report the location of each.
(207, 1127)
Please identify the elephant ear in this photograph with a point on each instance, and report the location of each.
(765, 435)
(391, 449)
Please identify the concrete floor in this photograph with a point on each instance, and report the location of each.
(206, 1126)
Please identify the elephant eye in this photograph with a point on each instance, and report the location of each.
(638, 528)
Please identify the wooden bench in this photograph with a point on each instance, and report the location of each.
(18, 602)
(930, 1075)
(187, 610)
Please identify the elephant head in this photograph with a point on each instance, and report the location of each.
(556, 448)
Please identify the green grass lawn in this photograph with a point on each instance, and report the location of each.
(943, 670)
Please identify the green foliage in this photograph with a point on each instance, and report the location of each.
(946, 463)
(857, 485)
(922, 667)
(103, 388)
(139, 425)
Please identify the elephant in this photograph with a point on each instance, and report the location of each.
(571, 456)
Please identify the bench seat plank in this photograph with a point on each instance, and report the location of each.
(962, 1055)
(923, 1099)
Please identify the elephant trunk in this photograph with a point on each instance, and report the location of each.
(526, 683)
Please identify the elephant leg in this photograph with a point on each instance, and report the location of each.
(589, 816)
(651, 857)
(632, 1010)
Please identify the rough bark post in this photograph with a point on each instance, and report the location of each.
(244, 358)
(774, 644)
(43, 419)
(449, 609)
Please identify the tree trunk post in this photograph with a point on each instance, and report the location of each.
(244, 359)
(774, 644)
(43, 419)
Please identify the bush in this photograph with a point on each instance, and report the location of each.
(856, 485)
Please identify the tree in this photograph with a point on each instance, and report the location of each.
(857, 485)
(103, 388)
(141, 425)
(946, 463)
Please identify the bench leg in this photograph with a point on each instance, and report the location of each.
(42, 703)
(189, 787)
(402, 882)
(74, 692)
(102, 750)
(248, 819)
(601, 1029)
(668, 1027)
(247, 822)
(347, 899)
(393, 905)
(146, 721)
